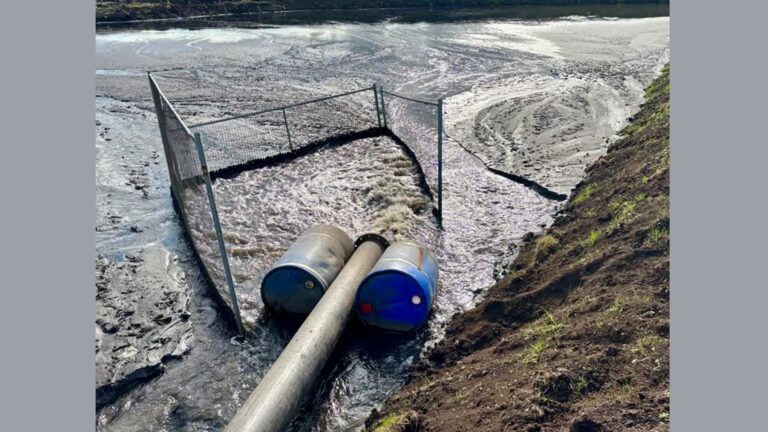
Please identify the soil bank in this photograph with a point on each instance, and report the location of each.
(115, 11)
(576, 335)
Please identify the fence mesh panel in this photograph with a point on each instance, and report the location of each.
(188, 188)
(242, 139)
(236, 141)
(415, 123)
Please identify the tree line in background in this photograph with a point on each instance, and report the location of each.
(121, 10)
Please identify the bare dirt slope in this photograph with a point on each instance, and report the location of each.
(576, 336)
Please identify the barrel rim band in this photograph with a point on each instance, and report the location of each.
(343, 246)
(406, 262)
(372, 274)
(309, 270)
(383, 242)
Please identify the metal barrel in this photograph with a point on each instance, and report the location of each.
(397, 294)
(278, 396)
(302, 275)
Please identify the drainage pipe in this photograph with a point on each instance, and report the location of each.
(282, 390)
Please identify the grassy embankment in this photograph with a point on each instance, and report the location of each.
(576, 336)
(125, 10)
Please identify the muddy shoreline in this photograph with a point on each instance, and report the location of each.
(138, 330)
(112, 14)
(576, 336)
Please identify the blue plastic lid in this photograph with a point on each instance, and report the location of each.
(394, 300)
(291, 289)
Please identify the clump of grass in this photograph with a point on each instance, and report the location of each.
(580, 385)
(584, 194)
(664, 416)
(542, 333)
(561, 386)
(532, 353)
(592, 239)
(647, 344)
(624, 211)
(657, 234)
(545, 245)
(548, 326)
(663, 200)
(617, 308)
(386, 423)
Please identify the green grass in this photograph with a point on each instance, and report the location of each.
(664, 416)
(542, 333)
(663, 200)
(580, 386)
(647, 344)
(617, 308)
(584, 194)
(658, 234)
(532, 353)
(624, 211)
(545, 245)
(592, 239)
(386, 423)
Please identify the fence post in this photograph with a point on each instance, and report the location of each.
(287, 130)
(383, 106)
(440, 163)
(161, 122)
(219, 234)
(376, 101)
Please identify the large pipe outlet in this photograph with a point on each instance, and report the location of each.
(282, 390)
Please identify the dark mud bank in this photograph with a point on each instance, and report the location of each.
(138, 330)
(576, 336)
(112, 12)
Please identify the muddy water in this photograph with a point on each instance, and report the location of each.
(540, 99)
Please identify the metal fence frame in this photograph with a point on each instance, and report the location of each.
(439, 107)
(205, 174)
(280, 108)
(381, 118)
(159, 98)
(229, 134)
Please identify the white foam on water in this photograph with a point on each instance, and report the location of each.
(208, 35)
(224, 36)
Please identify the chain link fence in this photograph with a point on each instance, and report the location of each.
(419, 125)
(197, 153)
(193, 195)
(240, 140)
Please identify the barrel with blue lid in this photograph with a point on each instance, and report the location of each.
(397, 294)
(302, 275)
